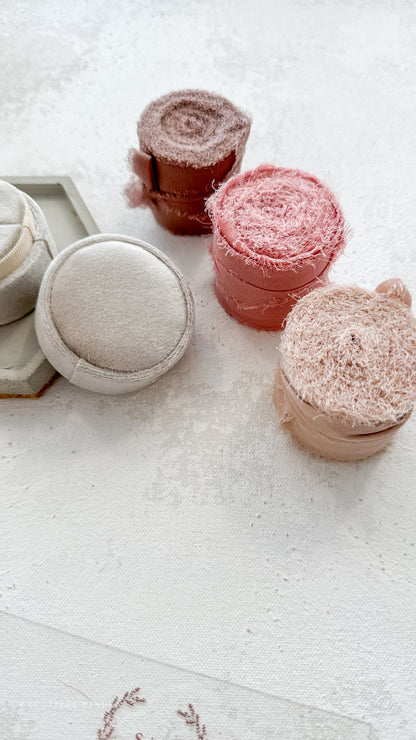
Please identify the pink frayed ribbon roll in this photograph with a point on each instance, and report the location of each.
(346, 380)
(276, 233)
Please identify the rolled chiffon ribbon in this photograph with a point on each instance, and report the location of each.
(276, 233)
(190, 142)
(325, 437)
(346, 427)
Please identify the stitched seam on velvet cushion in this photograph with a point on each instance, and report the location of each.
(129, 376)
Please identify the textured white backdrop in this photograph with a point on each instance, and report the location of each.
(181, 523)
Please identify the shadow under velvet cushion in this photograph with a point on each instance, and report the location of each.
(113, 314)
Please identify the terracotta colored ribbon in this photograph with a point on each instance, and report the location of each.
(324, 437)
(165, 177)
(261, 305)
(182, 212)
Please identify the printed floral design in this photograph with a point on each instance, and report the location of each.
(191, 718)
(131, 698)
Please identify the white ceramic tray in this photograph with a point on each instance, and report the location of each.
(24, 370)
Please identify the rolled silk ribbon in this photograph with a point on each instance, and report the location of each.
(190, 142)
(324, 437)
(276, 233)
(347, 378)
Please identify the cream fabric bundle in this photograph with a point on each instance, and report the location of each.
(114, 314)
(26, 249)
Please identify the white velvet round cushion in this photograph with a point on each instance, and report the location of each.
(26, 249)
(113, 314)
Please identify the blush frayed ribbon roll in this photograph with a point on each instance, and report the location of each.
(276, 233)
(346, 381)
(190, 142)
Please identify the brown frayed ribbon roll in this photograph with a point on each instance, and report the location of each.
(190, 142)
(347, 375)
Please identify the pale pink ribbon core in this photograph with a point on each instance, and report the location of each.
(327, 437)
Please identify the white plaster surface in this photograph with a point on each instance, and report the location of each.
(181, 523)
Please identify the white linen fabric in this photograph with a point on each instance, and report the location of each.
(181, 522)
